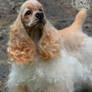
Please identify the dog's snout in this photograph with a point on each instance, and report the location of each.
(40, 16)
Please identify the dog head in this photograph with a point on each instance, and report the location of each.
(32, 34)
(33, 19)
(32, 14)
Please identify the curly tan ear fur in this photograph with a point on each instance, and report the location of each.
(49, 45)
(21, 48)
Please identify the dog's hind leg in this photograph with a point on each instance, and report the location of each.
(80, 19)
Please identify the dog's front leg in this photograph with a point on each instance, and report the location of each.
(22, 88)
(19, 88)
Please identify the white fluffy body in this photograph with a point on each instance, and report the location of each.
(56, 75)
(84, 55)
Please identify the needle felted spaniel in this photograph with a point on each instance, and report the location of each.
(40, 61)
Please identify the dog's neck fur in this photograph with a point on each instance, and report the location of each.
(22, 48)
(50, 44)
(35, 33)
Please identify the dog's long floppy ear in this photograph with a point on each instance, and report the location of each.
(50, 43)
(21, 48)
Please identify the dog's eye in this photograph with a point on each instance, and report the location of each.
(28, 12)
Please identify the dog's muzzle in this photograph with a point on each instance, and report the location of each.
(40, 17)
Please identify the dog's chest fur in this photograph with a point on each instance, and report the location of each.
(43, 76)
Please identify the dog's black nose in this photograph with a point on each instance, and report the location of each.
(40, 16)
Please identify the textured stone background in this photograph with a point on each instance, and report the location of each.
(59, 12)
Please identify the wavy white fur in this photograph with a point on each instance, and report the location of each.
(61, 74)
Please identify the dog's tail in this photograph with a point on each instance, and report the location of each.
(80, 18)
(82, 6)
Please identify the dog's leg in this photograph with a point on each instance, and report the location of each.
(22, 88)
(19, 88)
(63, 87)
